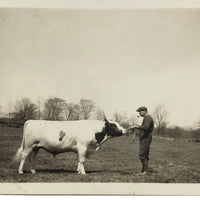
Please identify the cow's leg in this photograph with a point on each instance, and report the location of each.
(78, 168)
(25, 153)
(81, 153)
(33, 155)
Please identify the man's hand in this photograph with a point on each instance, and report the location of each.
(130, 130)
(133, 127)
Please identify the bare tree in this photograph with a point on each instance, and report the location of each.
(9, 110)
(72, 111)
(25, 110)
(117, 117)
(39, 104)
(122, 118)
(86, 107)
(198, 124)
(125, 117)
(53, 108)
(100, 115)
(132, 120)
(1, 107)
(160, 119)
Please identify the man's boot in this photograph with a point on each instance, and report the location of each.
(144, 167)
(142, 162)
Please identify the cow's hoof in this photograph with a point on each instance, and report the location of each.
(82, 173)
(21, 172)
(33, 171)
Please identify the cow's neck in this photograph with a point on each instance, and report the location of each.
(100, 135)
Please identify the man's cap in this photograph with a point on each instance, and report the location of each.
(142, 108)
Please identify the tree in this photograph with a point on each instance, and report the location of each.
(72, 112)
(100, 115)
(1, 108)
(25, 110)
(160, 119)
(123, 119)
(9, 110)
(132, 120)
(117, 117)
(39, 104)
(198, 124)
(86, 107)
(53, 108)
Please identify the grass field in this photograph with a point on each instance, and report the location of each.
(116, 161)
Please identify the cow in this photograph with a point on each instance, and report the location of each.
(65, 136)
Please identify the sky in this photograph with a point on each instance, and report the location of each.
(119, 58)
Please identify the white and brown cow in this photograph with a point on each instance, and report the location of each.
(65, 136)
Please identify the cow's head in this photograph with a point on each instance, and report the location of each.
(113, 129)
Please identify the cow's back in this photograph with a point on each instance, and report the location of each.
(60, 134)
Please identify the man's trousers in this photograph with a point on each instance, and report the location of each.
(145, 141)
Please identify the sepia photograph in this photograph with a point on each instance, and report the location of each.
(100, 99)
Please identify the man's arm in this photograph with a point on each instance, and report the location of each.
(146, 124)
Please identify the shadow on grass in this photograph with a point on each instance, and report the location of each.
(58, 171)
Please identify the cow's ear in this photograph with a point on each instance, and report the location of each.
(106, 120)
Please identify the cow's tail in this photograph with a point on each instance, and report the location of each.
(17, 156)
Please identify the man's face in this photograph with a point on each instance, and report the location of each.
(142, 113)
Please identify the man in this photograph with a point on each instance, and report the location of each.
(145, 137)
